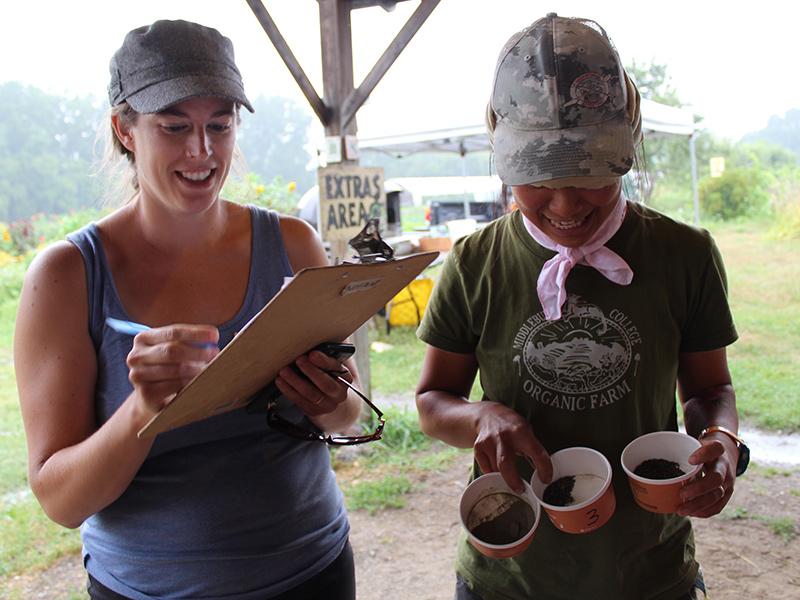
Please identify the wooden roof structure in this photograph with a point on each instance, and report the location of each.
(341, 99)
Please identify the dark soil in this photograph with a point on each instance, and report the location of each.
(559, 493)
(658, 468)
(511, 521)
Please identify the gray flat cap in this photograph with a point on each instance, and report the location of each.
(167, 62)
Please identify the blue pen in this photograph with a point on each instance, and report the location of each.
(131, 328)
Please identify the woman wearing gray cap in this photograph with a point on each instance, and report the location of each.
(228, 507)
(582, 312)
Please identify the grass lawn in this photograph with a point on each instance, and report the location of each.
(764, 288)
(764, 281)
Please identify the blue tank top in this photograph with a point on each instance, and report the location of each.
(222, 508)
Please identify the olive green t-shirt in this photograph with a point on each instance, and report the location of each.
(600, 376)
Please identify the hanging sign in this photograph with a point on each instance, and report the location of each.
(348, 197)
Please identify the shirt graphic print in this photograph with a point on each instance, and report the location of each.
(583, 361)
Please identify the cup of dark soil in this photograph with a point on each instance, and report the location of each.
(657, 465)
(580, 497)
(499, 522)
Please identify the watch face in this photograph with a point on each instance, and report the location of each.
(744, 459)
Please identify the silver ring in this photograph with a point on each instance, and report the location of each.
(722, 489)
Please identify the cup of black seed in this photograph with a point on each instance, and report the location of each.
(657, 466)
(499, 522)
(580, 497)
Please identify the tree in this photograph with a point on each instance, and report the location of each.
(273, 141)
(739, 192)
(667, 156)
(654, 83)
(46, 149)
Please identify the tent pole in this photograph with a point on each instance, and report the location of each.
(693, 158)
(463, 152)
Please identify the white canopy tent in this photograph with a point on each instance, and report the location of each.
(657, 119)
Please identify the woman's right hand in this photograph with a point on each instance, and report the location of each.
(503, 435)
(496, 433)
(164, 359)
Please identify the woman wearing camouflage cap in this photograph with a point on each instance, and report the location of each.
(582, 312)
(227, 507)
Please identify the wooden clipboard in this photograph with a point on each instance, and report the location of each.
(320, 304)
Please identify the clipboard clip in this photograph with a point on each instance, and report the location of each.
(370, 245)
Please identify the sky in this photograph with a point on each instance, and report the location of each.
(728, 61)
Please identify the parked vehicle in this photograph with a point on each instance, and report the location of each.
(416, 203)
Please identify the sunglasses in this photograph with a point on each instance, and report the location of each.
(278, 423)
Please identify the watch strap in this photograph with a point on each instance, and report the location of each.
(744, 451)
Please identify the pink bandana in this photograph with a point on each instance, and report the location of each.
(553, 277)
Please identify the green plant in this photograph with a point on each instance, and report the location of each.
(277, 195)
(403, 449)
(51, 228)
(23, 237)
(674, 199)
(738, 192)
(735, 514)
(786, 199)
(376, 495)
(784, 527)
(776, 472)
(11, 276)
(402, 433)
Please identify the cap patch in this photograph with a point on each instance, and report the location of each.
(590, 90)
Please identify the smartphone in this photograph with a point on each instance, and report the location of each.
(341, 351)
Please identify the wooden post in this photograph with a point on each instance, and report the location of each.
(336, 44)
(337, 109)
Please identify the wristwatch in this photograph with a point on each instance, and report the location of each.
(744, 451)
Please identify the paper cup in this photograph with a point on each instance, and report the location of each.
(593, 473)
(499, 522)
(660, 495)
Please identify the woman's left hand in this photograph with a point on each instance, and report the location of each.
(317, 393)
(708, 494)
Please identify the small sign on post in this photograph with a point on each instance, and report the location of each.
(349, 196)
(717, 165)
(333, 149)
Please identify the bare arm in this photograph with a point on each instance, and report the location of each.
(708, 398)
(497, 433)
(75, 468)
(330, 405)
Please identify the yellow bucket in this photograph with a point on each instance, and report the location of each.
(408, 306)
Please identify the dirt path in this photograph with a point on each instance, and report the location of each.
(407, 554)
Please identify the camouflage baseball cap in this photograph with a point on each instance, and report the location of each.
(560, 100)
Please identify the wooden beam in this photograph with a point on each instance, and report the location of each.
(323, 112)
(387, 5)
(336, 44)
(358, 96)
